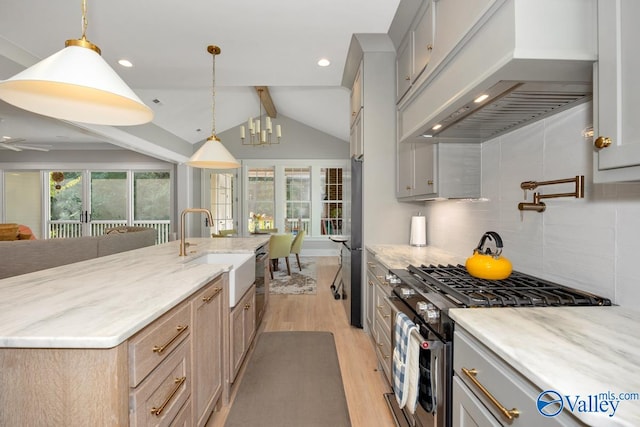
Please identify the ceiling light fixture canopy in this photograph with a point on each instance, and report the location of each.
(76, 84)
(213, 154)
(259, 133)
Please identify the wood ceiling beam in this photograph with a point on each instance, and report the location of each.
(266, 100)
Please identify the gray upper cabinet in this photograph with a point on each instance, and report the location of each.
(429, 171)
(616, 94)
(423, 40)
(415, 51)
(404, 66)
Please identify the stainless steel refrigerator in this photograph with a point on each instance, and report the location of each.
(352, 253)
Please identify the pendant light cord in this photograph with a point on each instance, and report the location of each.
(213, 97)
(84, 19)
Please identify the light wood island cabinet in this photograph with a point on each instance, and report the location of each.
(169, 373)
(242, 330)
(208, 317)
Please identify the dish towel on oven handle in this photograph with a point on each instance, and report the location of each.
(405, 370)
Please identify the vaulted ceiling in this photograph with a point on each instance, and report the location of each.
(276, 44)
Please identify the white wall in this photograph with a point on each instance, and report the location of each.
(591, 243)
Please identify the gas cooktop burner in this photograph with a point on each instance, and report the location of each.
(519, 289)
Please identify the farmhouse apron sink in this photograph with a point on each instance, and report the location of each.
(241, 276)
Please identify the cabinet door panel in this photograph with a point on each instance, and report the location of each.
(207, 350)
(404, 67)
(617, 96)
(405, 169)
(423, 41)
(425, 181)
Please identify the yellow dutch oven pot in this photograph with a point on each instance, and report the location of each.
(486, 264)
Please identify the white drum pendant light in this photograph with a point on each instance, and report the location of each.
(213, 154)
(76, 84)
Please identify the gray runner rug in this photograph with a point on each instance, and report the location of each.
(292, 380)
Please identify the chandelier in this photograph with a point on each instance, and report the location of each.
(261, 133)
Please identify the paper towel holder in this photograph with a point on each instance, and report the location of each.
(418, 231)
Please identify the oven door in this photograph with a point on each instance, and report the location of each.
(435, 361)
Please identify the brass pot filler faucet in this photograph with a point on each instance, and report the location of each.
(538, 205)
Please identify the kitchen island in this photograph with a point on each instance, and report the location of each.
(69, 335)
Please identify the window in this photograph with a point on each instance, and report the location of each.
(261, 199)
(291, 195)
(298, 199)
(222, 201)
(86, 203)
(331, 220)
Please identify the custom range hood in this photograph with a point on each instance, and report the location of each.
(512, 62)
(508, 105)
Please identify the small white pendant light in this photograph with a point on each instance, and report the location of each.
(213, 154)
(76, 84)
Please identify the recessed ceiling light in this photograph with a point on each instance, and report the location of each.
(480, 98)
(436, 127)
(324, 62)
(125, 63)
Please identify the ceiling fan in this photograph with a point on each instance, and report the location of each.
(14, 144)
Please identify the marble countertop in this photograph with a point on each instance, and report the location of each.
(573, 350)
(400, 256)
(102, 302)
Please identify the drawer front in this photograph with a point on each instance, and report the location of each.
(159, 398)
(509, 388)
(152, 345)
(384, 311)
(383, 350)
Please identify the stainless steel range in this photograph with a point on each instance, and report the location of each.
(426, 294)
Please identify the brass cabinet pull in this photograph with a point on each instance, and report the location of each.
(430, 182)
(370, 283)
(157, 411)
(216, 291)
(161, 348)
(408, 78)
(429, 47)
(509, 414)
(247, 306)
(602, 142)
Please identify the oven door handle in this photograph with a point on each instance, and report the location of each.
(436, 348)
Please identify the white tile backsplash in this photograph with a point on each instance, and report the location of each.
(591, 244)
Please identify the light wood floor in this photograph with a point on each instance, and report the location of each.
(364, 385)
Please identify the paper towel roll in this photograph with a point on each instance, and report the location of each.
(418, 231)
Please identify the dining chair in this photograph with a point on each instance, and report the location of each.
(279, 247)
(296, 246)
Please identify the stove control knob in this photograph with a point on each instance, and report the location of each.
(433, 314)
(422, 306)
(407, 292)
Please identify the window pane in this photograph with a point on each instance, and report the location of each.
(261, 198)
(151, 196)
(108, 196)
(222, 201)
(298, 199)
(66, 196)
(23, 199)
(331, 181)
